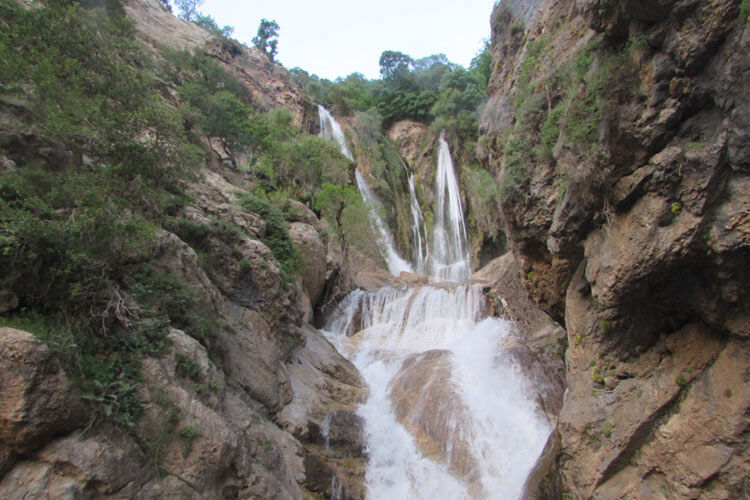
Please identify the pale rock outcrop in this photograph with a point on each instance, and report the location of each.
(267, 84)
(326, 390)
(37, 400)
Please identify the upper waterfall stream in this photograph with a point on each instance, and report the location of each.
(449, 414)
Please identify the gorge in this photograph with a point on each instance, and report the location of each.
(524, 279)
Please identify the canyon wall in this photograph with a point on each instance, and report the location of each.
(618, 133)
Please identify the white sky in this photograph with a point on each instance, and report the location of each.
(332, 38)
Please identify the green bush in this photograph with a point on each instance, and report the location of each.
(277, 237)
(348, 216)
(484, 196)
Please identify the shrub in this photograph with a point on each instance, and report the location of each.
(187, 368)
(277, 237)
(188, 435)
(347, 215)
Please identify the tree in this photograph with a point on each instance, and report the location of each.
(209, 24)
(188, 8)
(394, 64)
(266, 39)
(482, 64)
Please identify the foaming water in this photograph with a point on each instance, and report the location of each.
(449, 254)
(330, 129)
(448, 415)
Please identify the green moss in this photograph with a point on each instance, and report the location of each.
(277, 237)
(596, 375)
(550, 131)
(680, 380)
(188, 368)
(607, 430)
(517, 153)
(188, 435)
(605, 326)
(676, 208)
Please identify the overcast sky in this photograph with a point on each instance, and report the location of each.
(332, 38)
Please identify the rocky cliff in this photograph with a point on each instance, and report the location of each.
(253, 404)
(618, 134)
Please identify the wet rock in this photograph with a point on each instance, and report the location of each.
(326, 390)
(538, 344)
(427, 406)
(367, 275)
(37, 400)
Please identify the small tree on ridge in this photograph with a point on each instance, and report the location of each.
(266, 39)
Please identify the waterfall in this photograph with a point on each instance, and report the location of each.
(448, 415)
(449, 255)
(417, 228)
(330, 129)
(396, 263)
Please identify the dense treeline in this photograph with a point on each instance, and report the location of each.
(431, 90)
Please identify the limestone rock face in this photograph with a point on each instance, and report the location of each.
(308, 243)
(37, 400)
(326, 390)
(267, 84)
(408, 135)
(634, 237)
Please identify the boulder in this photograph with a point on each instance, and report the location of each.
(427, 406)
(308, 243)
(37, 400)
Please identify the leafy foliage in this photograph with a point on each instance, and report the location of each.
(347, 215)
(77, 224)
(188, 9)
(267, 38)
(277, 237)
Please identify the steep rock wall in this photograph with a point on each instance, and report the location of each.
(262, 407)
(618, 132)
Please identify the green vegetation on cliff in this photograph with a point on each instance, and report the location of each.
(101, 158)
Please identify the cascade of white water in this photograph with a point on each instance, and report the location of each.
(417, 228)
(396, 263)
(449, 254)
(448, 415)
(330, 129)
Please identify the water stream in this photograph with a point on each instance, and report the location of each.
(449, 414)
(449, 255)
(330, 129)
(419, 250)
